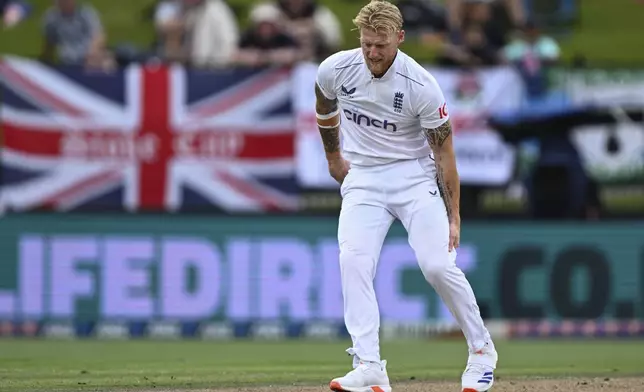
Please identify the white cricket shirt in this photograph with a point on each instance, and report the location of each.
(382, 118)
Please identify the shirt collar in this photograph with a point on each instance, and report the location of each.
(391, 72)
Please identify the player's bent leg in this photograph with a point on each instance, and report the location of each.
(428, 228)
(361, 232)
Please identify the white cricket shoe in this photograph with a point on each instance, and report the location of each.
(366, 377)
(479, 373)
(477, 378)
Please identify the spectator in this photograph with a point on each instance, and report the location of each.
(13, 12)
(486, 14)
(169, 28)
(202, 33)
(475, 51)
(425, 20)
(531, 43)
(75, 31)
(315, 27)
(266, 43)
(532, 53)
(502, 16)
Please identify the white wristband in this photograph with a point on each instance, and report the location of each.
(327, 116)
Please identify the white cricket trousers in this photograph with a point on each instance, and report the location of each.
(372, 197)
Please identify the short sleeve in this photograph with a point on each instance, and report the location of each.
(93, 20)
(326, 78)
(432, 108)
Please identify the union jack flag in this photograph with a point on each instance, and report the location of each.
(146, 138)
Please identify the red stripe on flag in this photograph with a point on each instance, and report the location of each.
(155, 126)
(265, 200)
(268, 146)
(60, 197)
(115, 145)
(32, 141)
(238, 143)
(235, 99)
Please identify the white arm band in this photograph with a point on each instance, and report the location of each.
(327, 116)
(328, 126)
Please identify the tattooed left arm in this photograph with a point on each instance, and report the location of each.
(440, 140)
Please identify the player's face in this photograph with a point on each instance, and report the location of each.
(380, 50)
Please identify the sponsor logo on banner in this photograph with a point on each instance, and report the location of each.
(217, 331)
(482, 156)
(164, 330)
(194, 273)
(112, 330)
(120, 278)
(270, 331)
(60, 330)
(614, 152)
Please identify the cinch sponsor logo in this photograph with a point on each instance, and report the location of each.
(362, 119)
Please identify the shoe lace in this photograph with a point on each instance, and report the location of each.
(352, 352)
(475, 369)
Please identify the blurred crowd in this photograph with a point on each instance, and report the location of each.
(207, 33)
(196, 33)
(210, 34)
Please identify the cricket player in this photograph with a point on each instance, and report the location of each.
(396, 162)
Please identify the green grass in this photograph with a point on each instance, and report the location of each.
(609, 32)
(28, 365)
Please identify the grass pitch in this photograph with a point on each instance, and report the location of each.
(45, 365)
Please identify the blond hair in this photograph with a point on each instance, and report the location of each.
(381, 16)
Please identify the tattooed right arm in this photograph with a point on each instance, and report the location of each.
(440, 140)
(328, 119)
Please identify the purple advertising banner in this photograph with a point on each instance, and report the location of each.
(89, 270)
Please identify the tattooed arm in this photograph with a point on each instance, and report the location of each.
(328, 119)
(440, 140)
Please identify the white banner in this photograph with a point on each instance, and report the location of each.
(618, 91)
(482, 156)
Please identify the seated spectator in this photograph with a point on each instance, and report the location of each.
(13, 12)
(475, 51)
(485, 13)
(168, 23)
(75, 32)
(498, 18)
(266, 42)
(532, 53)
(529, 43)
(425, 20)
(202, 33)
(315, 27)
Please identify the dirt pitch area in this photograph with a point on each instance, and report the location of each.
(581, 384)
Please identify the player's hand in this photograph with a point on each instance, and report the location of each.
(454, 235)
(338, 168)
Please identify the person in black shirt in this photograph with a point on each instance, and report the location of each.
(266, 43)
(476, 51)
